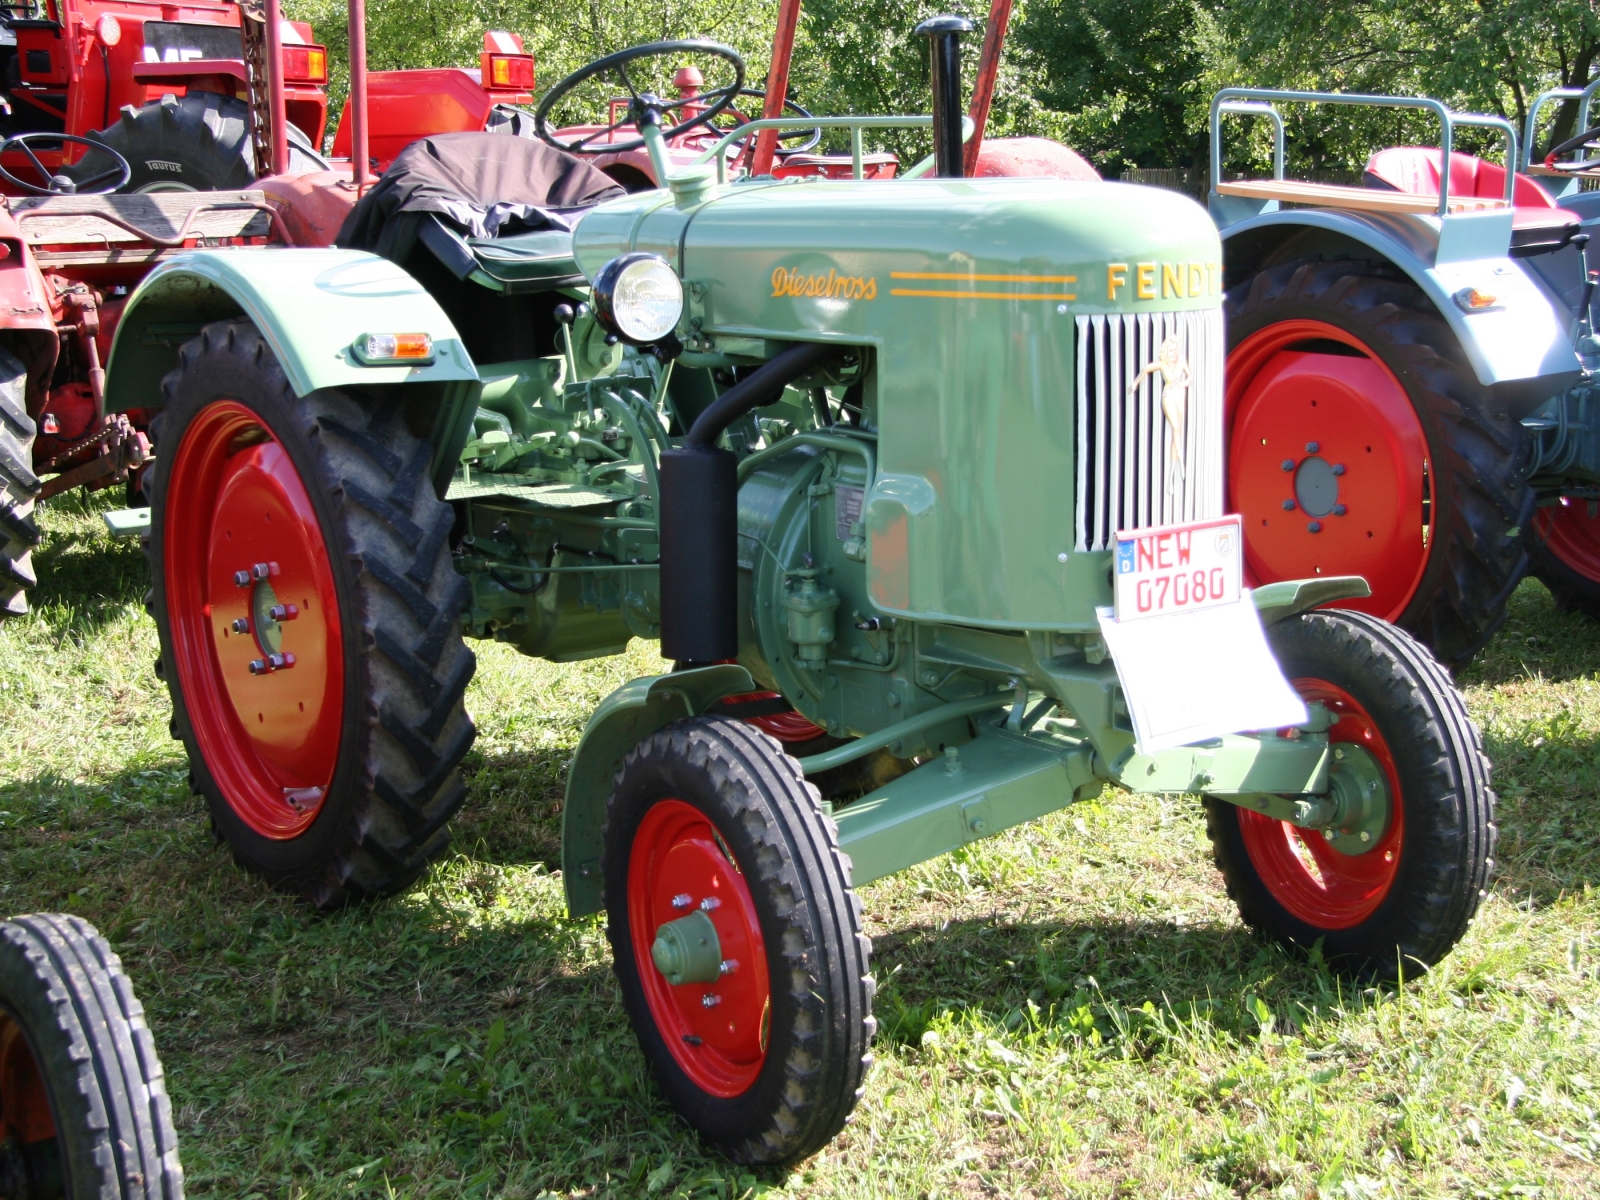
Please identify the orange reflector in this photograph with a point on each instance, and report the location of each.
(378, 348)
(1472, 300)
(305, 64)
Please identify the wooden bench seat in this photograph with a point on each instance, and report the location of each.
(1337, 195)
(73, 230)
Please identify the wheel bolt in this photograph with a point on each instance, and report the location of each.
(709, 903)
(241, 579)
(1327, 835)
(241, 624)
(1338, 468)
(283, 612)
(1312, 447)
(1313, 526)
(682, 900)
(261, 571)
(710, 1001)
(1288, 464)
(1365, 836)
(1288, 506)
(728, 966)
(1339, 510)
(258, 666)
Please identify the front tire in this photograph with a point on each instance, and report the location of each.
(766, 1059)
(310, 622)
(1400, 904)
(84, 1113)
(1361, 443)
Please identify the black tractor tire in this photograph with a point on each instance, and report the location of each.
(19, 486)
(395, 782)
(1572, 590)
(770, 825)
(79, 1065)
(1479, 455)
(198, 142)
(1447, 836)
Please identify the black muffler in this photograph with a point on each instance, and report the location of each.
(944, 47)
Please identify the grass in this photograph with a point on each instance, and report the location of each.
(1070, 1009)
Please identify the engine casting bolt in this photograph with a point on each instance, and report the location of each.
(709, 903)
(728, 966)
(1312, 447)
(682, 900)
(1288, 506)
(1313, 526)
(1287, 464)
(241, 624)
(710, 1001)
(1339, 510)
(284, 612)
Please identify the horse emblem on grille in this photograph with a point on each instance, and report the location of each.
(1176, 377)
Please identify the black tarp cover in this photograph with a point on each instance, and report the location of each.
(480, 184)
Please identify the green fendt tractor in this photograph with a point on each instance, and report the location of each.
(862, 455)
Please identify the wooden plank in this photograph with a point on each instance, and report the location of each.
(70, 220)
(90, 257)
(1551, 172)
(1336, 195)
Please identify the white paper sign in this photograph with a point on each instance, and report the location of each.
(1195, 675)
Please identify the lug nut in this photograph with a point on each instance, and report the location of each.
(283, 612)
(682, 900)
(710, 1001)
(258, 667)
(241, 624)
(1328, 835)
(241, 579)
(728, 966)
(1288, 506)
(1338, 468)
(1313, 526)
(1288, 464)
(1339, 510)
(709, 903)
(1365, 836)
(261, 571)
(1312, 447)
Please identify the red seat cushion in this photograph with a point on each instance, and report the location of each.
(1415, 169)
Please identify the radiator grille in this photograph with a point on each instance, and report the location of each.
(1127, 477)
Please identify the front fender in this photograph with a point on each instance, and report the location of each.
(1526, 338)
(624, 719)
(310, 305)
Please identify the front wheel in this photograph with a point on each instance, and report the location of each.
(1396, 897)
(84, 1113)
(310, 622)
(737, 939)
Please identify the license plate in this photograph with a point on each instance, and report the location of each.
(1178, 568)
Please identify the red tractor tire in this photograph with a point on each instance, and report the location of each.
(1361, 443)
(1563, 541)
(301, 571)
(83, 1099)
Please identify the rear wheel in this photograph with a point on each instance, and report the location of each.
(84, 1113)
(1564, 543)
(737, 939)
(18, 488)
(1397, 893)
(1361, 444)
(310, 622)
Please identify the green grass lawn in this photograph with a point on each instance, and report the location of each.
(1070, 1009)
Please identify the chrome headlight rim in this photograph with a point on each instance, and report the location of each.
(618, 308)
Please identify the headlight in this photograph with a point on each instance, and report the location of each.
(638, 297)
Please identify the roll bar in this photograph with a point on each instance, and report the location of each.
(1584, 97)
(1261, 102)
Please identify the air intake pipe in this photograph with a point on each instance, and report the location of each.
(700, 516)
(944, 47)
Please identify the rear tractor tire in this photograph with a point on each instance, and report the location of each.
(84, 1113)
(1563, 541)
(737, 939)
(18, 488)
(310, 622)
(1361, 443)
(1392, 900)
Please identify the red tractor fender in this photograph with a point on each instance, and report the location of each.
(26, 321)
(312, 207)
(1032, 158)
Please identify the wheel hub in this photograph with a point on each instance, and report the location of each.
(255, 622)
(1327, 463)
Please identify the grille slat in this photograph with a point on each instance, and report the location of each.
(1124, 437)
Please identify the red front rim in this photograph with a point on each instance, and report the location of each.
(1570, 529)
(1322, 886)
(678, 862)
(270, 737)
(1327, 462)
(24, 1105)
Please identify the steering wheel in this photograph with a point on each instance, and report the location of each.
(642, 106)
(1573, 143)
(812, 136)
(60, 184)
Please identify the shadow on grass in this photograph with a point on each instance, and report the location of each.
(1537, 640)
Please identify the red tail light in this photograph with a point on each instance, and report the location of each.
(514, 71)
(305, 64)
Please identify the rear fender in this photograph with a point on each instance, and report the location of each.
(1523, 345)
(311, 306)
(27, 327)
(624, 719)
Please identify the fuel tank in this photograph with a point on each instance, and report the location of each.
(1047, 364)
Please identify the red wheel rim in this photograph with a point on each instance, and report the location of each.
(1572, 534)
(1322, 886)
(270, 740)
(24, 1104)
(678, 853)
(1360, 497)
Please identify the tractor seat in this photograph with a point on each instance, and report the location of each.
(535, 260)
(1538, 223)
